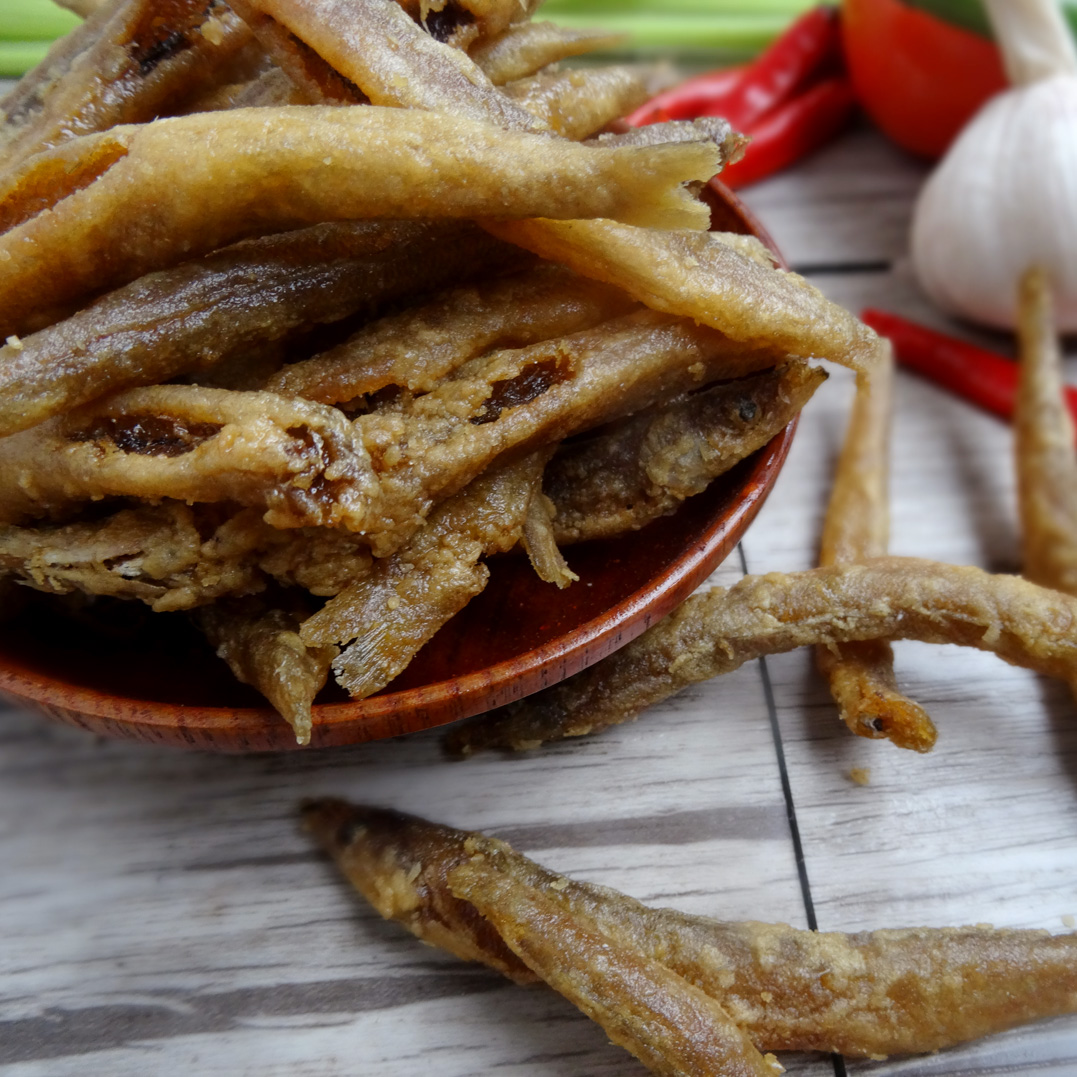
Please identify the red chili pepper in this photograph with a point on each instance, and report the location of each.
(811, 47)
(792, 131)
(979, 376)
(791, 100)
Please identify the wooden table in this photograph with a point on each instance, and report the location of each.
(162, 914)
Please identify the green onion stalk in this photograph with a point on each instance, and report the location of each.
(735, 27)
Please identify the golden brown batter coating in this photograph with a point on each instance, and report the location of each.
(141, 198)
(516, 400)
(261, 645)
(303, 464)
(394, 61)
(154, 553)
(198, 314)
(868, 994)
(418, 347)
(698, 275)
(175, 557)
(311, 79)
(642, 468)
(717, 631)
(128, 63)
(1046, 466)
(857, 527)
(665, 1020)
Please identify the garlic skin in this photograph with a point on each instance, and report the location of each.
(1004, 198)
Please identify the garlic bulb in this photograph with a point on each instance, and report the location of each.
(1005, 196)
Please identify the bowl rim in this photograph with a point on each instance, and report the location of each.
(251, 729)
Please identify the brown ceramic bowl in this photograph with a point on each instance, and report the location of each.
(151, 677)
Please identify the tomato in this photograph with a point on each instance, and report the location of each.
(919, 77)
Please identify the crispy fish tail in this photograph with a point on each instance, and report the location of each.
(385, 617)
(262, 647)
(540, 543)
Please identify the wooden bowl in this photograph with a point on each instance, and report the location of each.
(152, 677)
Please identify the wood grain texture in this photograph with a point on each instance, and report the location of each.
(161, 914)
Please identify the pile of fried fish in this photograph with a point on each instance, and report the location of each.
(301, 298)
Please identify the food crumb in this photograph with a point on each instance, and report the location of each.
(559, 884)
(14, 342)
(861, 775)
(1069, 920)
(213, 31)
(766, 996)
(393, 602)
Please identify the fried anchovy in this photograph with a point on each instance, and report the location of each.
(867, 994)
(175, 557)
(699, 275)
(302, 463)
(515, 400)
(857, 525)
(154, 553)
(315, 81)
(135, 199)
(666, 1021)
(198, 314)
(378, 47)
(623, 478)
(717, 631)
(1046, 468)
